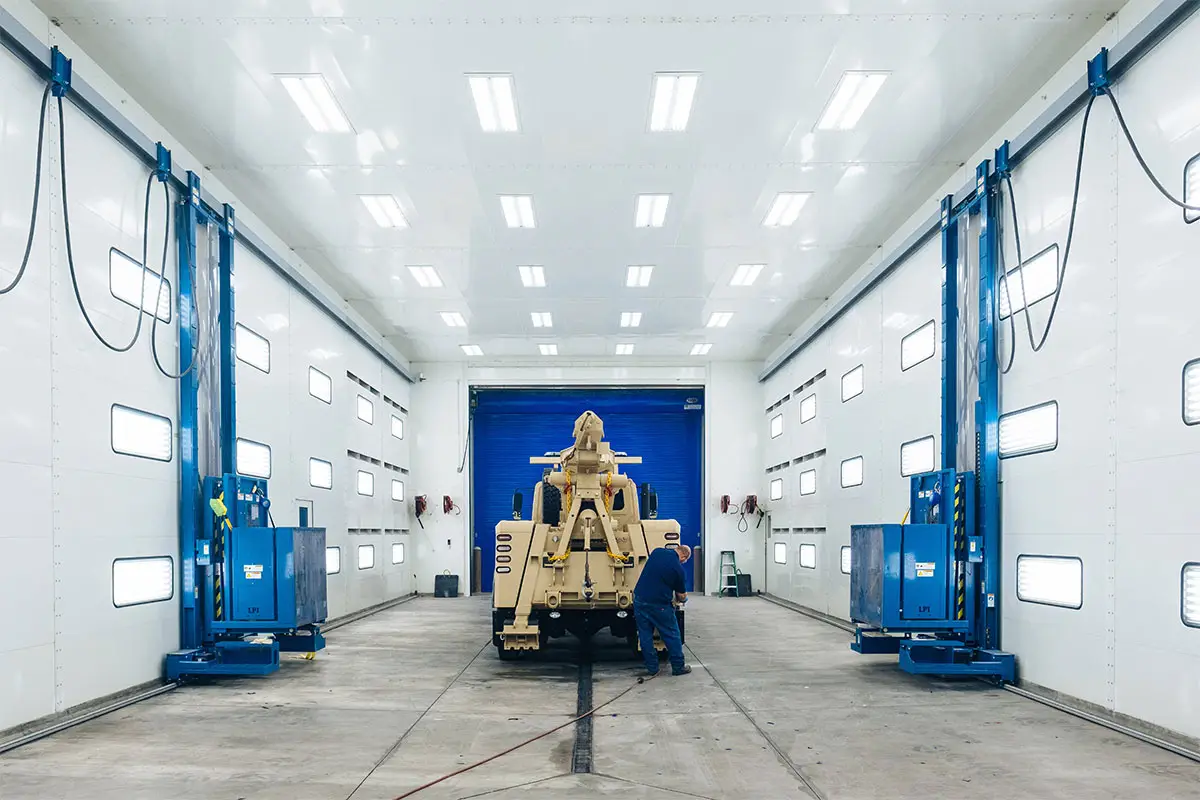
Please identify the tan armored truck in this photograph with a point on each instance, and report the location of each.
(572, 568)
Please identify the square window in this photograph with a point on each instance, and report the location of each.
(852, 383)
(1029, 430)
(366, 483)
(141, 434)
(366, 556)
(918, 346)
(776, 426)
(253, 459)
(320, 385)
(398, 552)
(136, 581)
(781, 552)
(852, 472)
(397, 427)
(917, 457)
(251, 348)
(1028, 283)
(846, 559)
(366, 410)
(777, 489)
(1191, 388)
(808, 556)
(1050, 581)
(398, 491)
(320, 473)
(808, 408)
(1190, 593)
(127, 281)
(808, 482)
(333, 560)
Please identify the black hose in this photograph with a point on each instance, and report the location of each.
(1141, 161)
(1036, 346)
(62, 157)
(197, 359)
(37, 191)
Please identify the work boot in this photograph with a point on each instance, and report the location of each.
(684, 671)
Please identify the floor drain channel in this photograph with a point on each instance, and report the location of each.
(581, 754)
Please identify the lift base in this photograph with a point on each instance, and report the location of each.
(233, 658)
(947, 657)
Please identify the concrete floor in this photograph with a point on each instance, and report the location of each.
(778, 707)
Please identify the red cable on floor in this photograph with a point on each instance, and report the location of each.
(489, 759)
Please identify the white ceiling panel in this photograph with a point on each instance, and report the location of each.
(584, 149)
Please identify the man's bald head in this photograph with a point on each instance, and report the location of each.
(684, 552)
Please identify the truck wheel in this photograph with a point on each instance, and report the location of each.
(551, 504)
(507, 655)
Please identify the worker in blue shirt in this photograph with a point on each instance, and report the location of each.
(661, 585)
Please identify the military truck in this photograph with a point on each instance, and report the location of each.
(573, 567)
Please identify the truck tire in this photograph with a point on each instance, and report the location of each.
(507, 655)
(551, 504)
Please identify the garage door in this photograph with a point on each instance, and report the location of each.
(663, 426)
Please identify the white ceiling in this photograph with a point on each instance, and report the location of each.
(583, 82)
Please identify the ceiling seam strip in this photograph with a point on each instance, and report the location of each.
(35, 54)
(1157, 25)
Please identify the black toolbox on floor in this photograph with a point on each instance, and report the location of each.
(445, 585)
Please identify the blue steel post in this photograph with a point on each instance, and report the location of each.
(189, 395)
(228, 387)
(987, 413)
(949, 334)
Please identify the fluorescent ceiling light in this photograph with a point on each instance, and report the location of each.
(472, 349)
(314, 98)
(852, 472)
(917, 457)
(1050, 580)
(854, 92)
(746, 274)
(548, 349)
(542, 319)
(719, 319)
(426, 277)
(701, 349)
(777, 489)
(385, 210)
(672, 103)
(1191, 393)
(808, 555)
(638, 276)
(808, 482)
(518, 210)
(631, 319)
(785, 209)
(454, 319)
(494, 102)
(1025, 285)
(532, 277)
(651, 210)
(624, 349)
(1029, 430)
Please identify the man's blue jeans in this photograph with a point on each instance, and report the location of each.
(649, 617)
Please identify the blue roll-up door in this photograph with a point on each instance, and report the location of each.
(663, 426)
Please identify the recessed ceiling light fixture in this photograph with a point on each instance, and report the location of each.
(495, 102)
(472, 349)
(745, 274)
(719, 319)
(672, 103)
(854, 92)
(638, 276)
(454, 319)
(631, 319)
(518, 210)
(314, 98)
(385, 210)
(625, 349)
(785, 208)
(701, 349)
(541, 319)
(548, 349)
(532, 277)
(426, 277)
(651, 210)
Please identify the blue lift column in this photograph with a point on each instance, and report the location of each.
(927, 590)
